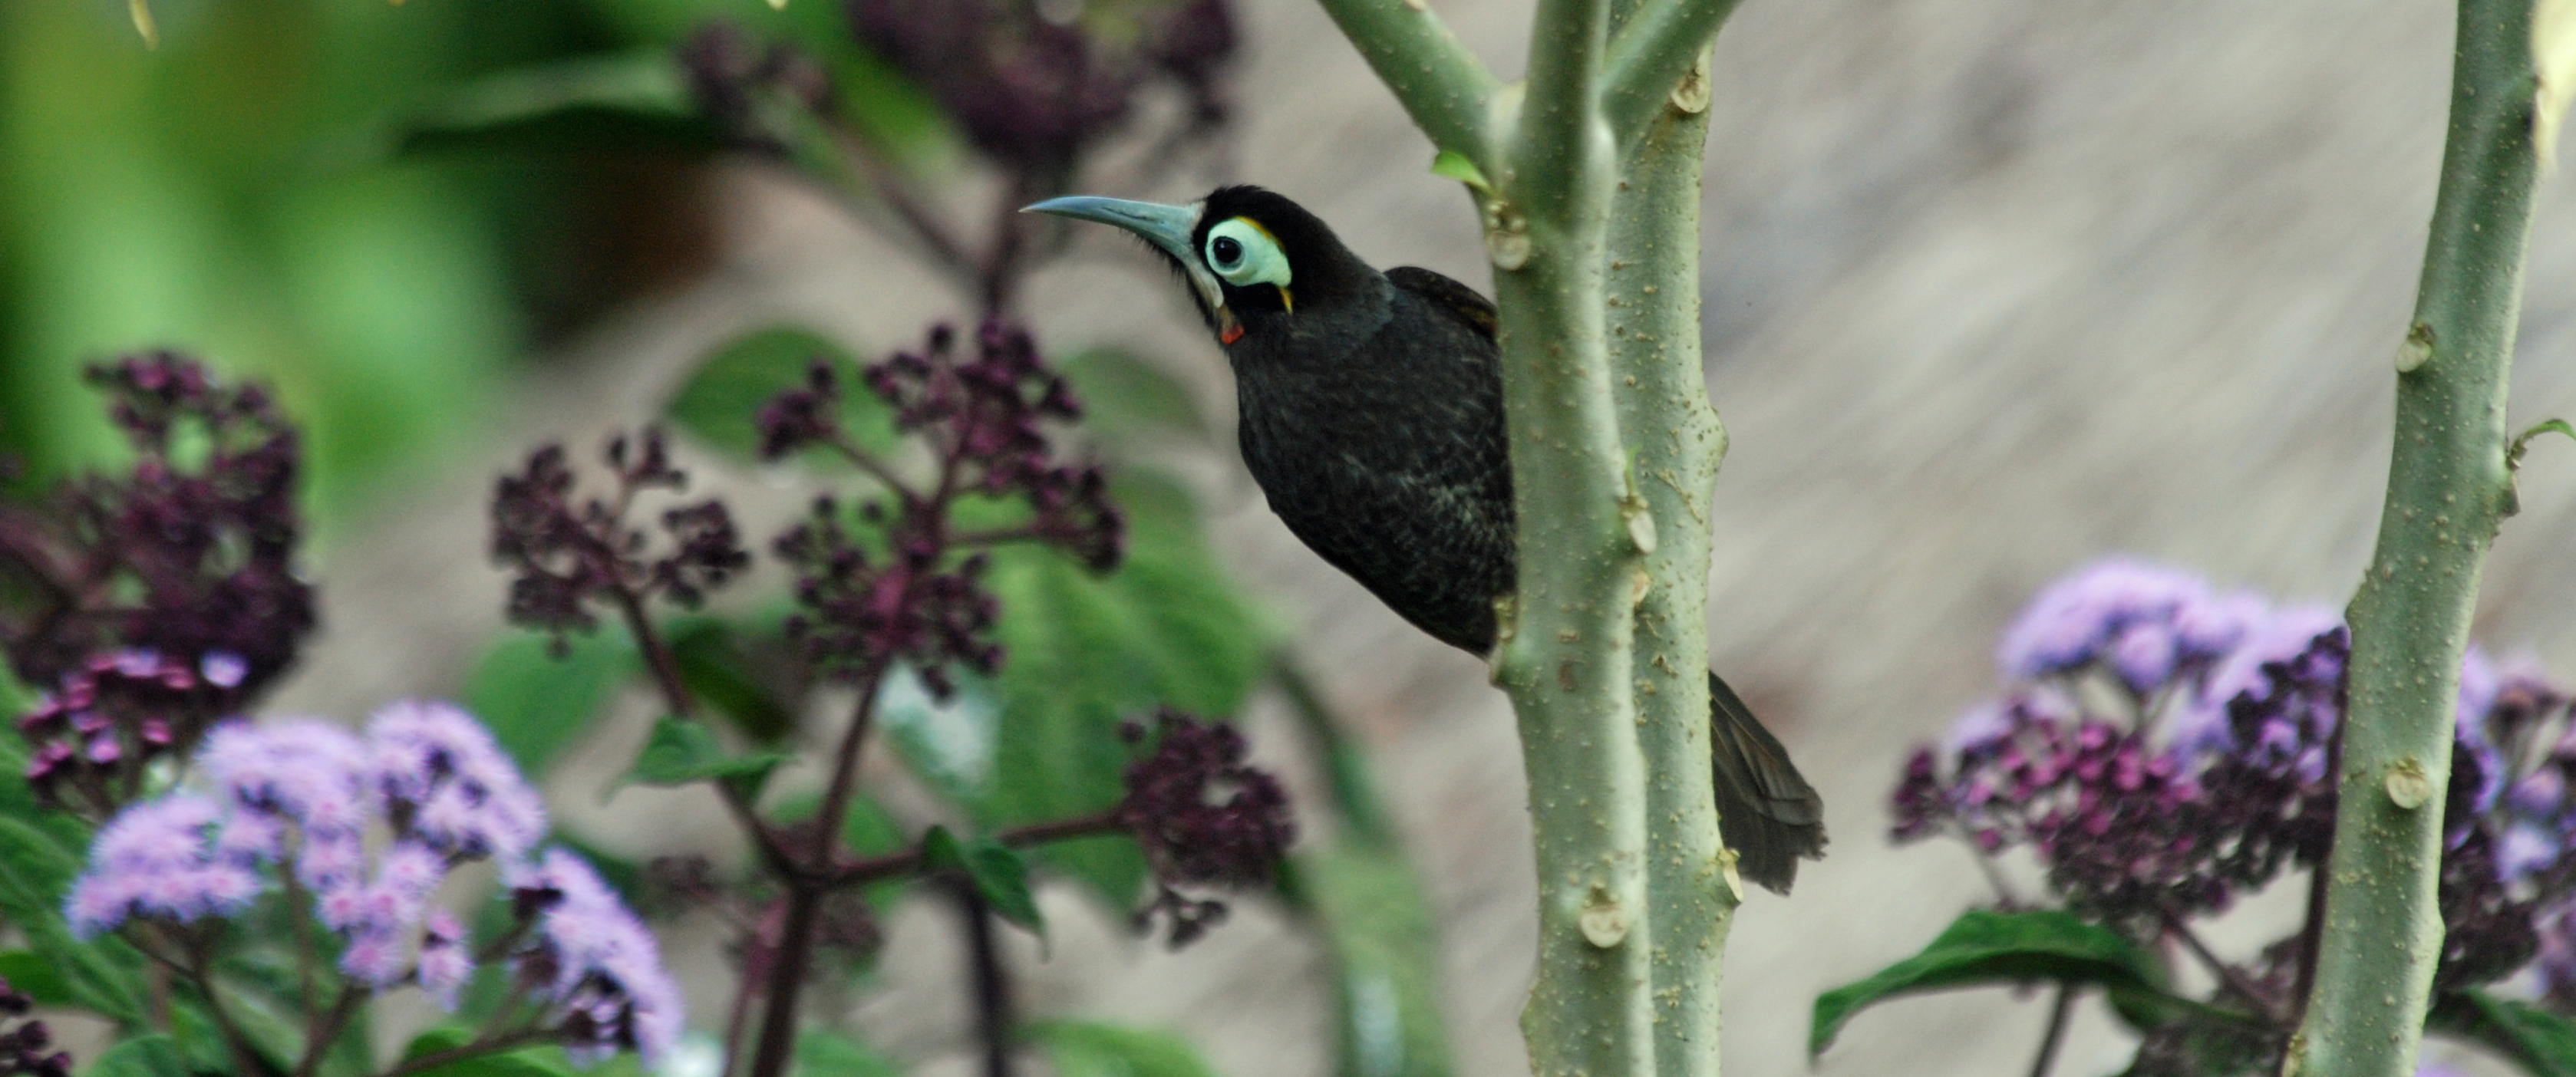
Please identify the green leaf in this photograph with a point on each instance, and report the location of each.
(535, 703)
(1123, 395)
(1456, 166)
(35, 870)
(621, 874)
(29, 972)
(1985, 947)
(638, 103)
(525, 1062)
(1386, 960)
(15, 698)
(720, 673)
(998, 871)
(681, 751)
(2542, 1042)
(949, 743)
(825, 1054)
(721, 401)
(150, 1055)
(1088, 652)
(1089, 1049)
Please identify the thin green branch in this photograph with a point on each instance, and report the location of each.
(1665, 417)
(1656, 48)
(1441, 85)
(2447, 491)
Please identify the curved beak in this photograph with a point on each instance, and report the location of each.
(1166, 227)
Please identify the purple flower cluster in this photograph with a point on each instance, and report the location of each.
(570, 552)
(22, 1049)
(290, 810)
(157, 601)
(2202, 777)
(1031, 90)
(593, 961)
(983, 418)
(1203, 817)
(91, 738)
(2165, 747)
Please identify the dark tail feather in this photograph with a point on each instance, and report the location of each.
(1766, 811)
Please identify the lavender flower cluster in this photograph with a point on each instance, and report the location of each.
(984, 421)
(287, 811)
(150, 604)
(2165, 747)
(1203, 817)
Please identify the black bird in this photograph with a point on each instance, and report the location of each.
(1373, 420)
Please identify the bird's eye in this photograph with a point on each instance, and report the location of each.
(1245, 254)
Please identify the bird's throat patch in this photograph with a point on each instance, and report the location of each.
(1231, 333)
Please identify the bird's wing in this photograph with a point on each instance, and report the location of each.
(1766, 811)
(1458, 299)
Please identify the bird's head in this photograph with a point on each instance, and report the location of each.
(1252, 257)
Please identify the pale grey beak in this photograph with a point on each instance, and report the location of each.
(1167, 227)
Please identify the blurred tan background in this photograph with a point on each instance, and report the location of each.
(1993, 288)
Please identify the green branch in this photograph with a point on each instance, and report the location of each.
(1664, 413)
(2447, 491)
(1441, 85)
(1654, 51)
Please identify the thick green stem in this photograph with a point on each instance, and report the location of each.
(1655, 47)
(1665, 414)
(1565, 656)
(1442, 86)
(2447, 488)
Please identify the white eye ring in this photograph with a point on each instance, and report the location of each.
(1243, 253)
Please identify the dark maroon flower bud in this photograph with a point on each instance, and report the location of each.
(569, 553)
(807, 415)
(1203, 816)
(189, 554)
(1034, 93)
(22, 1049)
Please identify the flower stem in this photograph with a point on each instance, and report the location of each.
(665, 667)
(2447, 489)
(993, 1022)
(2056, 1034)
(807, 888)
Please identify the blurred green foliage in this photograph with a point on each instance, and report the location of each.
(230, 193)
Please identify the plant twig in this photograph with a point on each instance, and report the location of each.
(993, 1020)
(2447, 490)
(2056, 1034)
(897, 865)
(665, 668)
(806, 890)
(2226, 973)
(317, 1042)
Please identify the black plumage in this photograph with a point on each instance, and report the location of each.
(1372, 418)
